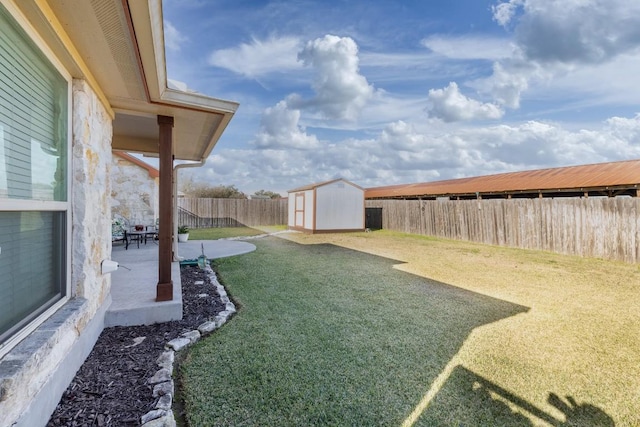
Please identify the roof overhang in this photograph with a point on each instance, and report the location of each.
(117, 46)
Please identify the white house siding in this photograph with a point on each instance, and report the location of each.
(134, 194)
(35, 373)
(339, 206)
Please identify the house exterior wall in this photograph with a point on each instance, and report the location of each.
(91, 166)
(134, 194)
(35, 373)
(339, 206)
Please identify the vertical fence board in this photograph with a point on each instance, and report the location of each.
(593, 227)
(199, 213)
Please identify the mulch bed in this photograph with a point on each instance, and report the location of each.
(111, 389)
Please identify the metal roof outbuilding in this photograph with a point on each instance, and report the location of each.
(600, 179)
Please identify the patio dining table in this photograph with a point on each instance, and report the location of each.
(138, 236)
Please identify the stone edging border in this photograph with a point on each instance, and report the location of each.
(162, 380)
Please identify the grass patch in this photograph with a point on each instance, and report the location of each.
(222, 232)
(385, 329)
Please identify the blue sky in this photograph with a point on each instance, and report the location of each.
(388, 92)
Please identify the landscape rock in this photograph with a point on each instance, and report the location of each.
(178, 344)
(164, 402)
(165, 360)
(152, 415)
(167, 421)
(163, 388)
(161, 376)
(192, 336)
(207, 327)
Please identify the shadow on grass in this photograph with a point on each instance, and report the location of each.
(470, 399)
(333, 336)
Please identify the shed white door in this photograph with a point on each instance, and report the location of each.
(299, 211)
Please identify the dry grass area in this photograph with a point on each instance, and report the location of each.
(576, 350)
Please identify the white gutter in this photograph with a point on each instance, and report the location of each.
(176, 256)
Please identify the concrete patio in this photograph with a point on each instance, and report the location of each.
(133, 284)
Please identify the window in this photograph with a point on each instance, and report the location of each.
(34, 207)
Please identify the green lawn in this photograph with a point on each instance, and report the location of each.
(222, 232)
(354, 330)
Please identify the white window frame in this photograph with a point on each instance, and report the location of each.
(20, 205)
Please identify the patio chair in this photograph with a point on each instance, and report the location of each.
(119, 226)
(152, 230)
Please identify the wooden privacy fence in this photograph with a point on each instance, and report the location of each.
(591, 227)
(201, 213)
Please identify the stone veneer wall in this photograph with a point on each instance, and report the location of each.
(134, 194)
(91, 186)
(35, 373)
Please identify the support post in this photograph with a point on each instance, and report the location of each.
(164, 289)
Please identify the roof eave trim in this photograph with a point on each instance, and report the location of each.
(197, 101)
(171, 96)
(164, 96)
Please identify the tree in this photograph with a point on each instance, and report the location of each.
(269, 194)
(200, 190)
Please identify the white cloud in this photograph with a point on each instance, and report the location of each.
(341, 91)
(280, 128)
(450, 105)
(469, 47)
(558, 38)
(259, 57)
(409, 60)
(178, 85)
(506, 84)
(594, 85)
(503, 13)
(173, 39)
(574, 31)
(625, 134)
(404, 153)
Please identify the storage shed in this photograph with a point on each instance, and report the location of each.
(327, 207)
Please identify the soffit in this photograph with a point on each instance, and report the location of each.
(100, 32)
(119, 49)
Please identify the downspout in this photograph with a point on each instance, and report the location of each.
(176, 256)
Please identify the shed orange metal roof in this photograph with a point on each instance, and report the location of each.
(614, 175)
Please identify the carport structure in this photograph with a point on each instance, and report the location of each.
(600, 179)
